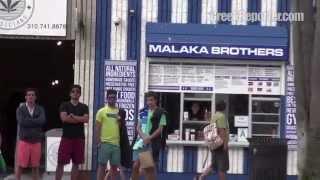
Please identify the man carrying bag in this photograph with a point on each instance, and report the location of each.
(147, 147)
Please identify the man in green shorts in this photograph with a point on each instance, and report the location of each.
(151, 121)
(108, 134)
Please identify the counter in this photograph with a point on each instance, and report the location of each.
(190, 156)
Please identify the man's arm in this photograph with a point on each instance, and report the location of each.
(139, 130)
(85, 117)
(222, 132)
(98, 131)
(23, 120)
(39, 119)
(81, 119)
(158, 131)
(67, 118)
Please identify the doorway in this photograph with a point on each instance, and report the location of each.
(46, 65)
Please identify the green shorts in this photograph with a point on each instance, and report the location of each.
(109, 152)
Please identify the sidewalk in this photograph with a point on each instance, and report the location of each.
(50, 176)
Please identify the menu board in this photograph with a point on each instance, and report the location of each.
(226, 79)
(231, 79)
(121, 76)
(264, 80)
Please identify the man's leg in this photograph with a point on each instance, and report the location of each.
(35, 160)
(122, 173)
(113, 172)
(150, 173)
(205, 173)
(59, 171)
(77, 155)
(18, 172)
(23, 156)
(135, 170)
(101, 172)
(64, 156)
(35, 173)
(222, 175)
(74, 172)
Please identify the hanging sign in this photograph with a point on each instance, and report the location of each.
(122, 77)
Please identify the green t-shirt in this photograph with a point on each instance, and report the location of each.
(147, 126)
(220, 120)
(110, 132)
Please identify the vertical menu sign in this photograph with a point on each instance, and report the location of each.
(291, 122)
(122, 77)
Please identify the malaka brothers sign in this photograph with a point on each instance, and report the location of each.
(216, 51)
(33, 17)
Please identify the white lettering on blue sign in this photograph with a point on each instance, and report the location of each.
(215, 50)
(172, 49)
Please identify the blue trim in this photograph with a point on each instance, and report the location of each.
(194, 11)
(134, 30)
(162, 168)
(254, 6)
(224, 6)
(103, 29)
(164, 10)
(283, 6)
(283, 117)
(185, 176)
(246, 163)
(134, 40)
(190, 159)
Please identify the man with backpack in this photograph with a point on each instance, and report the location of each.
(150, 129)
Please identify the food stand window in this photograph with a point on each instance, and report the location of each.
(251, 93)
(265, 116)
(197, 107)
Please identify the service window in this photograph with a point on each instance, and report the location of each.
(265, 116)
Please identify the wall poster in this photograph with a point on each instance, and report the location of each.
(122, 77)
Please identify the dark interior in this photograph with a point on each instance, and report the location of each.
(32, 63)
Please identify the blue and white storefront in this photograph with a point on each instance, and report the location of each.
(176, 48)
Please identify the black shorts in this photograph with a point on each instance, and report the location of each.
(220, 160)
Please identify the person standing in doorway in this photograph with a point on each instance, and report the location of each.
(74, 115)
(30, 118)
(149, 129)
(108, 123)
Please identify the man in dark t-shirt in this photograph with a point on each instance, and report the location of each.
(73, 115)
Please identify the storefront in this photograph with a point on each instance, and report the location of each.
(195, 66)
(47, 45)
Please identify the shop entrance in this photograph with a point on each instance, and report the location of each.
(43, 64)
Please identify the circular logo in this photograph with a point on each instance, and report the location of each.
(52, 155)
(15, 13)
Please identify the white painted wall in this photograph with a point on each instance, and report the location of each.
(239, 9)
(179, 11)
(119, 32)
(209, 11)
(268, 11)
(149, 14)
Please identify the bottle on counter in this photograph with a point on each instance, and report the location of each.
(187, 134)
(192, 134)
